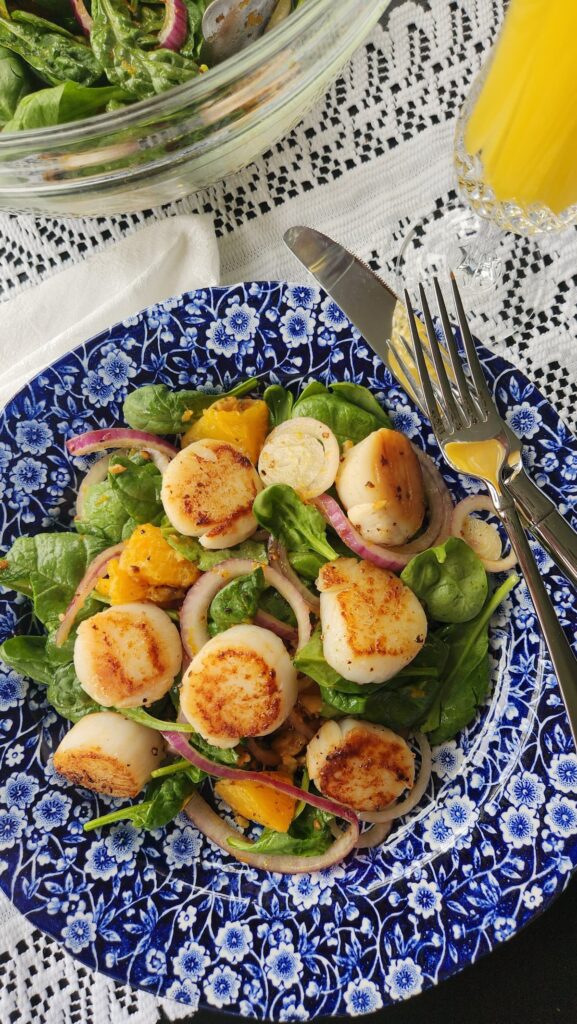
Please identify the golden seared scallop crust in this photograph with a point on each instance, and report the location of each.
(362, 765)
(208, 489)
(380, 483)
(92, 769)
(372, 624)
(128, 655)
(242, 683)
(109, 754)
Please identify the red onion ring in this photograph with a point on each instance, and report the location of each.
(287, 633)
(179, 743)
(217, 830)
(194, 611)
(395, 559)
(480, 503)
(277, 553)
(174, 31)
(412, 799)
(84, 588)
(118, 437)
(96, 474)
(82, 16)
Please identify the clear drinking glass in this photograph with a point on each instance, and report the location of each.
(515, 157)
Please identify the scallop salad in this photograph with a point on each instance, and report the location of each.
(265, 612)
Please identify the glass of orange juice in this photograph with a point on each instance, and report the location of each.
(516, 164)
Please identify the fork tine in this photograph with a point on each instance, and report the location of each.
(426, 386)
(462, 382)
(451, 411)
(484, 395)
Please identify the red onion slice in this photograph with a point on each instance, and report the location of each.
(85, 587)
(174, 31)
(412, 799)
(395, 559)
(480, 503)
(96, 474)
(180, 744)
(194, 611)
(217, 830)
(277, 553)
(287, 633)
(118, 437)
(82, 16)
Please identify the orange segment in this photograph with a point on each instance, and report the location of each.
(240, 421)
(258, 803)
(150, 557)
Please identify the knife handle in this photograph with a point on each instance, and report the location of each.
(545, 523)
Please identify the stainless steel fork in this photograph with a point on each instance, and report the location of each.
(467, 413)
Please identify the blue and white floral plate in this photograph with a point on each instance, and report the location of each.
(491, 845)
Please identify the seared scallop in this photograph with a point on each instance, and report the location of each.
(128, 655)
(372, 624)
(109, 754)
(359, 764)
(380, 484)
(208, 491)
(241, 683)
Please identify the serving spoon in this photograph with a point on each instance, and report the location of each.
(229, 26)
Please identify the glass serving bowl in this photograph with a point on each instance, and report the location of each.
(192, 136)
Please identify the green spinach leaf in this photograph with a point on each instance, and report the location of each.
(159, 410)
(48, 568)
(237, 602)
(308, 835)
(450, 581)
(27, 656)
(350, 410)
(67, 697)
(466, 679)
(280, 510)
(280, 403)
(54, 54)
(273, 603)
(164, 798)
(15, 83)
(137, 488)
(61, 104)
(356, 394)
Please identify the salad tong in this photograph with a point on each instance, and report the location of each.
(461, 414)
(382, 320)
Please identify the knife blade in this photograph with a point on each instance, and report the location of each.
(375, 310)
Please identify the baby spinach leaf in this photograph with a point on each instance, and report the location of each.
(61, 104)
(192, 549)
(350, 410)
(48, 568)
(193, 43)
(280, 403)
(15, 83)
(280, 510)
(27, 656)
(54, 54)
(273, 603)
(137, 488)
(306, 563)
(360, 396)
(310, 660)
(151, 722)
(117, 40)
(218, 754)
(237, 602)
(466, 679)
(103, 514)
(164, 798)
(67, 697)
(159, 410)
(450, 581)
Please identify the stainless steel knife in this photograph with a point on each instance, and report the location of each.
(378, 314)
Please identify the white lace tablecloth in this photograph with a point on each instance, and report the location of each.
(372, 158)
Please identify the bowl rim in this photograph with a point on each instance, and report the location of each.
(198, 89)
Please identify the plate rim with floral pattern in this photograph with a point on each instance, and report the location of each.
(169, 912)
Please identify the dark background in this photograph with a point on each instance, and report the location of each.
(531, 979)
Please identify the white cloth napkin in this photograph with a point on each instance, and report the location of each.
(161, 260)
